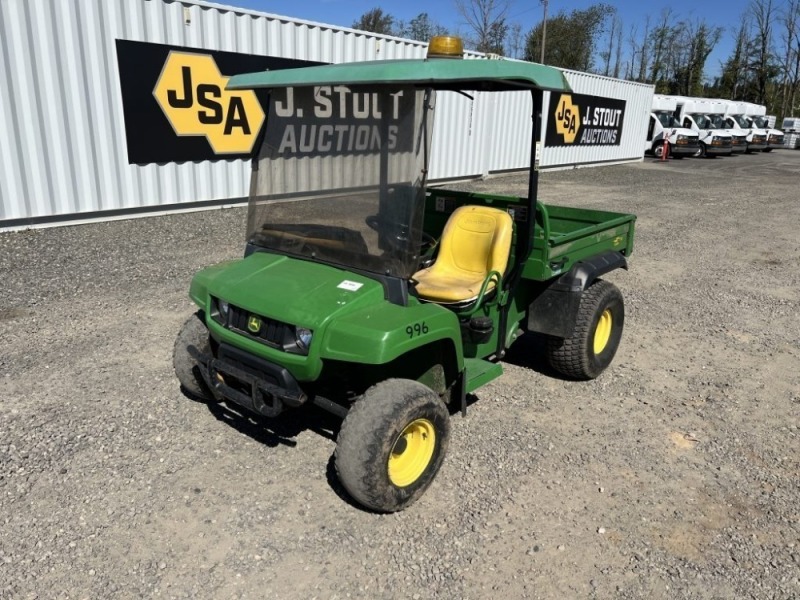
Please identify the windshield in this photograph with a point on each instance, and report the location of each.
(718, 121)
(741, 120)
(666, 118)
(340, 176)
(761, 123)
(703, 121)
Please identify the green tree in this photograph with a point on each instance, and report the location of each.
(375, 21)
(762, 61)
(734, 70)
(487, 20)
(421, 28)
(686, 58)
(571, 38)
(790, 68)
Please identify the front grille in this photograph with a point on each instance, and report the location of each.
(272, 332)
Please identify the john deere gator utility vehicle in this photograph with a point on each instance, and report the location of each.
(380, 300)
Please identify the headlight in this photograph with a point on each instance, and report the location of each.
(219, 310)
(681, 139)
(303, 337)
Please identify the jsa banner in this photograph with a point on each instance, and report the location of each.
(582, 120)
(176, 106)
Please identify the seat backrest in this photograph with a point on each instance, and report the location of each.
(476, 239)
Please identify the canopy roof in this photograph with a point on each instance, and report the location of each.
(438, 73)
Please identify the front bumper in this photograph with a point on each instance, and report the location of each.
(718, 150)
(775, 141)
(251, 382)
(684, 149)
(739, 147)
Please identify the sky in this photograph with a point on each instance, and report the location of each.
(528, 13)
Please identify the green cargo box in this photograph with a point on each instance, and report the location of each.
(563, 236)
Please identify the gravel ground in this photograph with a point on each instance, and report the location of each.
(673, 475)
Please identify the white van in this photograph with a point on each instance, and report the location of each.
(706, 118)
(665, 128)
(736, 119)
(757, 117)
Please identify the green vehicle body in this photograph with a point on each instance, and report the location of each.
(360, 339)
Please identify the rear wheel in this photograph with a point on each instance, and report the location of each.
(596, 336)
(391, 444)
(192, 339)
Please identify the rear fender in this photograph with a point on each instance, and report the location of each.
(554, 310)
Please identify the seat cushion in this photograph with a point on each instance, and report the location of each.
(475, 242)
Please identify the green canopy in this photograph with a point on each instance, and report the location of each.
(439, 73)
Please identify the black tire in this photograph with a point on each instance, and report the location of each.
(701, 152)
(193, 335)
(391, 413)
(577, 357)
(658, 150)
(767, 150)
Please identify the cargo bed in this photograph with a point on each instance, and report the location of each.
(562, 237)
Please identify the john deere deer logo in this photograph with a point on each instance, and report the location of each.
(254, 324)
(191, 92)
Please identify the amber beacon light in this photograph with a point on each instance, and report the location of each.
(445, 46)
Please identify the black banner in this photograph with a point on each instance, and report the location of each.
(582, 120)
(177, 109)
(347, 120)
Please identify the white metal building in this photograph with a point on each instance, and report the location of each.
(71, 124)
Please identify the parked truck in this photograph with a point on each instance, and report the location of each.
(736, 118)
(757, 118)
(665, 133)
(367, 294)
(704, 117)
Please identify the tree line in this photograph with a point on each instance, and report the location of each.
(667, 50)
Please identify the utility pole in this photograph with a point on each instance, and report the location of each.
(544, 28)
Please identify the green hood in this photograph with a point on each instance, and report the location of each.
(294, 291)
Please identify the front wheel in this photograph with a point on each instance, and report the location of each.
(596, 336)
(659, 149)
(192, 339)
(391, 444)
(701, 151)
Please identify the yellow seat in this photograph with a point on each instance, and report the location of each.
(476, 241)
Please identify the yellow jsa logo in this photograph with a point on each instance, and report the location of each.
(191, 92)
(567, 118)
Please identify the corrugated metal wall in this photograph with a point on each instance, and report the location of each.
(63, 147)
(63, 150)
(638, 98)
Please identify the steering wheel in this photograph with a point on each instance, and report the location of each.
(399, 236)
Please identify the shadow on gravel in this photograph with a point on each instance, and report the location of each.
(282, 429)
(529, 352)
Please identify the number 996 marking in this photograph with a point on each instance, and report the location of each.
(417, 329)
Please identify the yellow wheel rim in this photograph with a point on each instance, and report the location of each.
(412, 452)
(603, 331)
